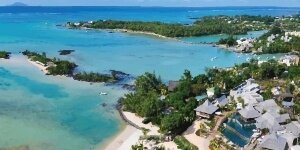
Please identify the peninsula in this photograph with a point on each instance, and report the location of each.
(283, 32)
(205, 26)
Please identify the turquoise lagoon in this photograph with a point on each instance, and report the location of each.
(57, 113)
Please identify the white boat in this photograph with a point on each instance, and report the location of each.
(103, 93)
(212, 59)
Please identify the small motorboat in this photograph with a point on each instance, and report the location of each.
(103, 93)
(212, 59)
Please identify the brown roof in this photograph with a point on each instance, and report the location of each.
(172, 85)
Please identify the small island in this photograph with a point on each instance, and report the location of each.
(4, 54)
(18, 4)
(54, 66)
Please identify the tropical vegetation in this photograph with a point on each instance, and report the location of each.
(4, 54)
(184, 144)
(54, 66)
(176, 112)
(205, 26)
(280, 43)
(229, 41)
(93, 77)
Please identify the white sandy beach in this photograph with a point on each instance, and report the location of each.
(41, 67)
(130, 135)
(200, 142)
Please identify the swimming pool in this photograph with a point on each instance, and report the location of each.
(238, 131)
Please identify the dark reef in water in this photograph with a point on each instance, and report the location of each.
(65, 52)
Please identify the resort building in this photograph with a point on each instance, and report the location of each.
(286, 100)
(248, 114)
(51, 64)
(272, 121)
(296, 147)
(77, 24)
(267, 106)
(294, 33)
(273, 142)
(206, 110)
(289, 60)
(221, 101)
(172, 85)
(276, 91)
(210, 92)
(249, 86)
(292, 133)
(244, 44)
(249, 98)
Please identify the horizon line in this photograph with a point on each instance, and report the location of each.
(147, 6)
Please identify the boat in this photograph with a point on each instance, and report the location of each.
(212, 59)
(103, 93)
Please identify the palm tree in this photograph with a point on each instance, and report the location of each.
(139, 146)
(214, 144)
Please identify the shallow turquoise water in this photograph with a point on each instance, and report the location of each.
(52, 112)
(60, 114)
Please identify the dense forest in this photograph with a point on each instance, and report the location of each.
(204, 26)
(176, 112)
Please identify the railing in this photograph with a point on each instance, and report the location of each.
(119, 108)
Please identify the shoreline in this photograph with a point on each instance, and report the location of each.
(41, 67)
(129, 32)
(213, 44)
(16, 62)
(132, 132)
(128, 134)
(126, 137)
(142, 33)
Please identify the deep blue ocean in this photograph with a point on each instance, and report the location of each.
(55, 113)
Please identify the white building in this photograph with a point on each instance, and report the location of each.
(289, 60)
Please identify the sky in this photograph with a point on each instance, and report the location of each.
(166, 3)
